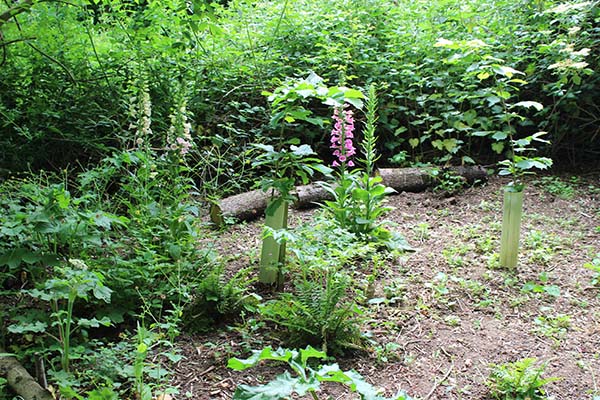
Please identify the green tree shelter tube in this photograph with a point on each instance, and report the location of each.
(511, 228)
(272, 257)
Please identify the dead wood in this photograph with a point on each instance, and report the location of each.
(251, 205)
(21, 382)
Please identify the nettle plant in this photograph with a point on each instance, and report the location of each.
(287, 167)
(71, 282)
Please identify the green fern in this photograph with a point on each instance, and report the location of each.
(317, 314)
(218, 299)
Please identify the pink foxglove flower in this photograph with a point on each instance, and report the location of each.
(341, 137)
(179, 137)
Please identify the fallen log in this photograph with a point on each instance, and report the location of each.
(21, 382)
(419, 179)
(251, 205)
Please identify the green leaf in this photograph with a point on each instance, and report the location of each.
(311, 352)
(281, 387)
(257, 356)
(355, 102)
(352, 94)
(103, 394)
(314, 79)
(93, 323)
(529, 104)
(524, 164)
(63, 200)
(467, 160)
(499, 135)
(498, 147)
(142, 348)
(13, 258)
(323, 169)
(503, 94)
(506, 71)
(174, 251)
(102, 219)
(552, 290)
(35, 327)
(302, 151)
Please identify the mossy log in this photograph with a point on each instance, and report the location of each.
(251, 205)
(21, 382)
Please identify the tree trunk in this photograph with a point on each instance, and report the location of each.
(251, 205)
(20, 381)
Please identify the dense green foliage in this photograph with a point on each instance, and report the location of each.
(142, 110)
(448, 68)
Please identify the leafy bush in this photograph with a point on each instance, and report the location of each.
(44, 222)
(216, 299)
(67, 69)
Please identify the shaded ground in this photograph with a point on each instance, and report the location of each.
(457, 313)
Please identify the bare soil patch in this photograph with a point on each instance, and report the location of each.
(457, 312)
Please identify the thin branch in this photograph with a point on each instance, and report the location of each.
(17, 40)
(437, 383)
(15, 10)
(60, 64)
(48, 56)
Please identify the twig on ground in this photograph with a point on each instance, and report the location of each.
(438, 383)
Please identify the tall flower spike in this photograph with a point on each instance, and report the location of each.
(341, 137)
(179, 136)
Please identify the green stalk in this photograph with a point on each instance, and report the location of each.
(368, 147)
(511, 229)
(67, 334)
